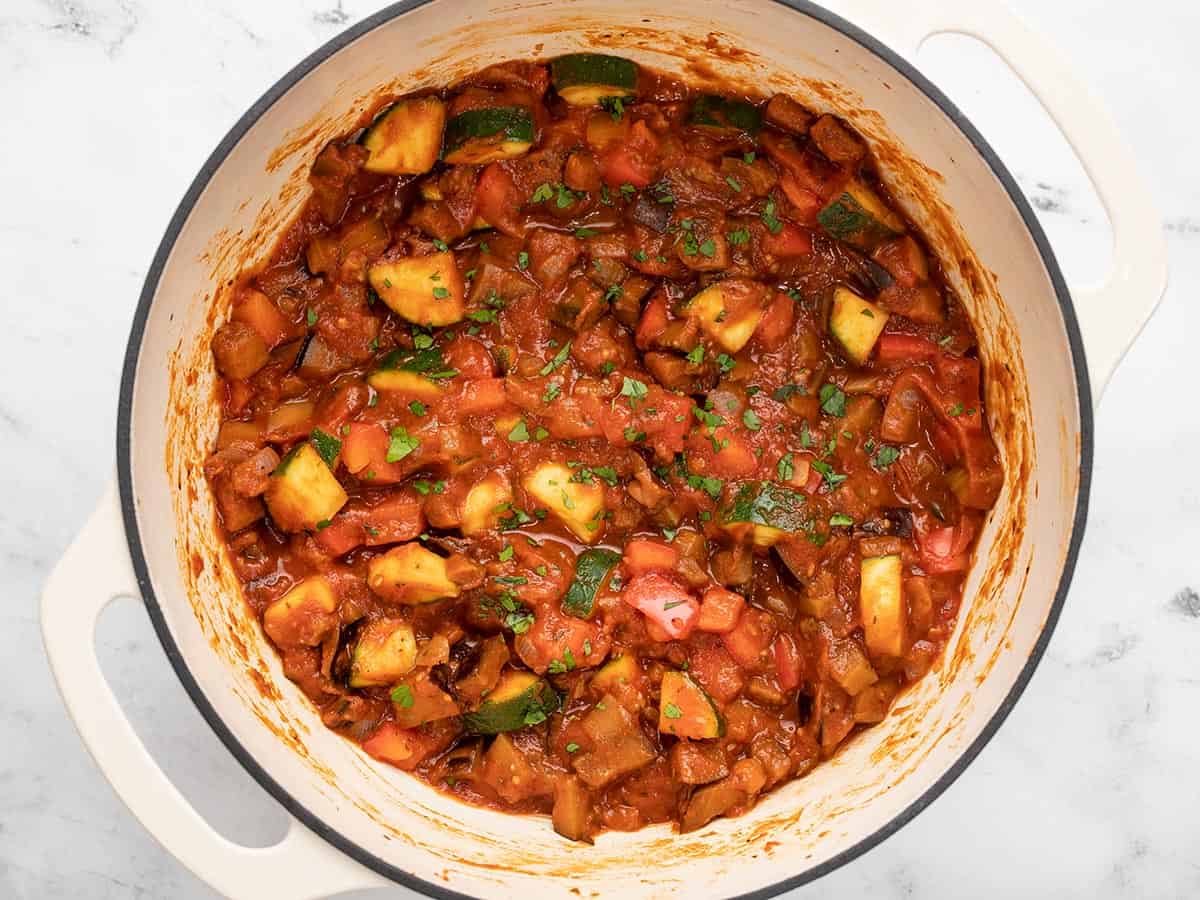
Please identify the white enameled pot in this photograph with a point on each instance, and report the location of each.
(358, 823)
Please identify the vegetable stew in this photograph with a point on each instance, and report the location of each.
(598, 447)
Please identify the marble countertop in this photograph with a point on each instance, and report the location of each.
(1089, 790)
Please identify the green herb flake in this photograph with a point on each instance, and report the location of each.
(522, 260)
(840, 519)
(440, 293)
(770, 219)
(751, 420)
(559, 358)
(311, 317)
(572, 747)
(553, 391)
(326, 445)
(833, 400)
(401, 444)
(696, 355)
(956, 410)
(506, 553)
(733, 183)
(542, 193)
(785, 470)
(402, 696)
(417, 408)
(748, 158)
(738, 237)
(708, 248)
(832, 478)
(885, 456)
(519, 433)
(440, 245)
(633, 435)
(639, 255)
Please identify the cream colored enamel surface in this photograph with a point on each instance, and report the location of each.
(395, 817)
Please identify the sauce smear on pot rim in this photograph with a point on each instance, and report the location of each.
(599, 447)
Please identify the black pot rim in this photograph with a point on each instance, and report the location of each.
(331, 833)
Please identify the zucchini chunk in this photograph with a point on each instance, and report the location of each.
(686, 711)
(730, 327)
(623, 670)
(771, 510)
(426, 290)
(881, 601)
(858, 217)
(592, 569)
(579, 506)
(417, 700)
(410, 574)
(725, 114)
(303, 616)
(483, 505)
(302, 492)
(856, 323)
(480, 136)
(386, 651)
(520, 699)
(584, 79)
(407, 384)
(406, 137)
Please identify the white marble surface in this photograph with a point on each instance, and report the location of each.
(1091, 789)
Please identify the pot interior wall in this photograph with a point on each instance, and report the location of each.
(399, 820)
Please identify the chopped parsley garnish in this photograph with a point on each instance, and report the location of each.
(635, 390)
(522, 260)
(417, 408)
(585, 232)
(572, 747)
(519, 433)
(326, 445)
(614, 105)
(782, 393)
(553, 390)
(440, 293)
(506, 553)
(639, 255)
(482, 315)
(559, 358)
(628, 189)
(784, 469)
(706, 418)
(311, 317)
(833, 400)
(945, 340)
(708, 248)
(956, 409)
(733, 183)
(885, 456)
(751, 420)
(748, 158)
(633, 435)
(402, 696)
(613, 293)
(542, 193)
(838, 519)
(769, 218)
(726, 363)
(566, 664)
(832, 478)
(710, 486)
(738, 237)
(696, 355)
(440, 245)
(401, 444)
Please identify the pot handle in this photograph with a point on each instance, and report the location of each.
(1112, 313)
(94, 571)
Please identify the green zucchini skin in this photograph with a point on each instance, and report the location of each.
(594, 70)
(512, 712)
(591, 569)
(768, 504)
(509, 123)
(712, 111)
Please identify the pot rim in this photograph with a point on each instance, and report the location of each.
(330, 833)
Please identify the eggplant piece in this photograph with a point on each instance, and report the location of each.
(648, 212)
